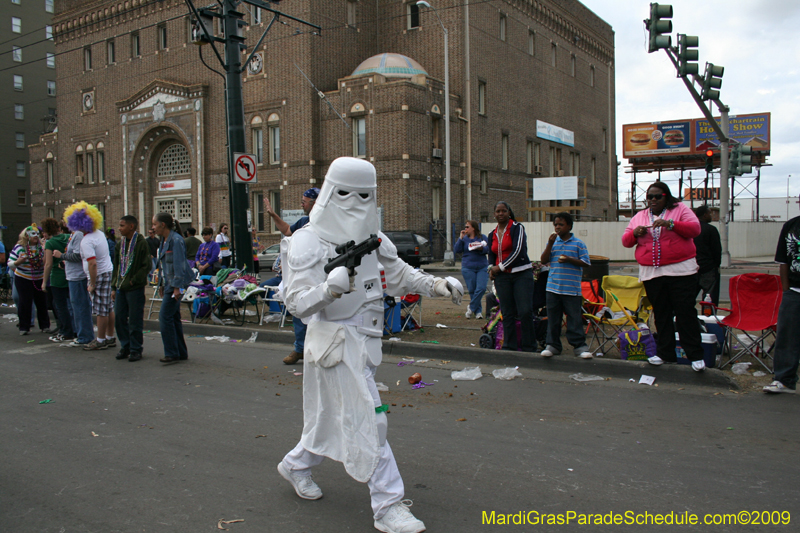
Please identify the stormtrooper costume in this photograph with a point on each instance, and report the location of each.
(343, 417)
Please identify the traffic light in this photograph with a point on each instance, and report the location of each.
(658, 27)
(741, 157)
(687, 53)
(709, 161)
(712, 80)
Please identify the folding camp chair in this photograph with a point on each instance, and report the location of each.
(603, 315)
(153, 280)
(267, 309)
(411, 304)
(755, 300)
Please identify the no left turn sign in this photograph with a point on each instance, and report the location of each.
(244, 168)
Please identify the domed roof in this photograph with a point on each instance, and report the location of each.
(390, 65)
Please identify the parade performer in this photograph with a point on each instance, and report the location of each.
(343, 415)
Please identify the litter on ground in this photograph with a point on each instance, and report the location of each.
(581, 377)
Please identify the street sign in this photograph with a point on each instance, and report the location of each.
(244, 168)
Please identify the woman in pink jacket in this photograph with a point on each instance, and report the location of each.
(663, 235)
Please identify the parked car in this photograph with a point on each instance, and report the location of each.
(269, 255)
(412, 248)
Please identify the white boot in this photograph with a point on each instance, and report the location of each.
(469, 313)
(398, 519)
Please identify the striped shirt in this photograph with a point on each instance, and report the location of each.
(24, 269)
(565, 278)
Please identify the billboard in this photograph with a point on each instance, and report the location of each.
(749, 130)
(658, 138)
(692, 136)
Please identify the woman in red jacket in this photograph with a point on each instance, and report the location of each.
(663, 235)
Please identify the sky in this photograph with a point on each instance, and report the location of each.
(755, 40)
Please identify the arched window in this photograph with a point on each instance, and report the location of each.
(274, 125)
(174, 161)
(90, 163)
(49, 167)
(258, 139)
(101, 162)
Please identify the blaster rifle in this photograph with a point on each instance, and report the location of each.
(350, 254)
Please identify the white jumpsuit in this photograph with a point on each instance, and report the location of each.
(342, 353)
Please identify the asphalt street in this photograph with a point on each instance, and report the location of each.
(128, 447)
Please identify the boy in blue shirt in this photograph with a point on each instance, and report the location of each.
(564, 295)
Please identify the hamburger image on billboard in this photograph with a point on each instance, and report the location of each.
(673, 138)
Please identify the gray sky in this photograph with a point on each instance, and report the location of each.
(755, 40)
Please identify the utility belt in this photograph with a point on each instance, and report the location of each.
(370, 322)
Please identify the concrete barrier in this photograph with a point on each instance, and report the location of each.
(745, 239)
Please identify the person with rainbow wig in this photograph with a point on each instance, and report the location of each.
(98, 267)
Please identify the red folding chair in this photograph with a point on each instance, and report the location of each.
(755, 300)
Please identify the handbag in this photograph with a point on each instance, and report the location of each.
(637, 345)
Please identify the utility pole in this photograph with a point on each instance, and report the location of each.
(233, 42)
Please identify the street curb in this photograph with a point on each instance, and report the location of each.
(617, 369)
(613, 368)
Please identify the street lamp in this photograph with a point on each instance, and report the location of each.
(448, 252)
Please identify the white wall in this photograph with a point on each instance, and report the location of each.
(746, 239)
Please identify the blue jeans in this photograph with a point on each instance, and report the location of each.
(514, 290)
(787, 355)
(81, 310)
(557, 306)
(169, 319)
(129, 319)
(64, 311)
(476, 280)
(299, 334)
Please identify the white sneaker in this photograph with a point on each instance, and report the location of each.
(398, 519)
(698, 366)
(468, 314)
(479, 315)
(655, 360)
(304, 486)
(585, 355)
(778, 387)
(549, 351)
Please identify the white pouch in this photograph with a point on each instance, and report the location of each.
(324, 344)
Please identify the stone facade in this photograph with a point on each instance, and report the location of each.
(157, 115)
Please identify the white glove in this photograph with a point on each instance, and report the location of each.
(340, 282)
(449, 286)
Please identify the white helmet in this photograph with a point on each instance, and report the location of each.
(347, 208)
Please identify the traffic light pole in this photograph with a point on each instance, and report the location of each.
(721, 129)
(234, 104)
(723, 188)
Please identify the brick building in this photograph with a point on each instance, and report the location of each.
(28, 93)
(142, 121)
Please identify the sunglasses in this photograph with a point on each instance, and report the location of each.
(656, 196)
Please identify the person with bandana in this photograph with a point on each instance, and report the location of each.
(28, 259)
(344, 418)
(128, 282)
(307, 203)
